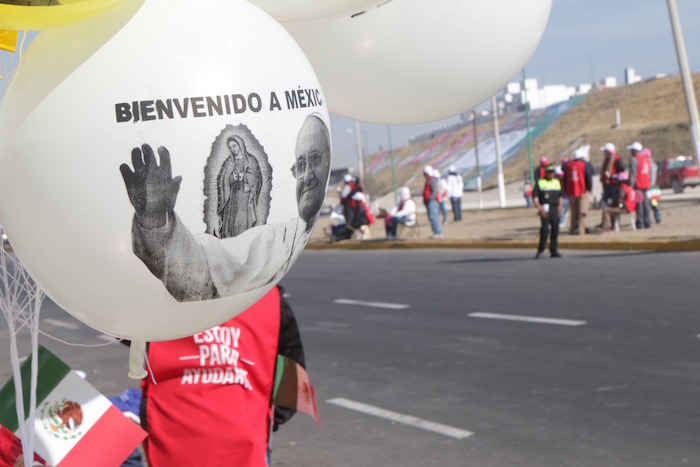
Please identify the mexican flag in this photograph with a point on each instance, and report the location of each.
(293, 389)
(75, 424)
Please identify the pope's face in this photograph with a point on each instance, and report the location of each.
(312, 166)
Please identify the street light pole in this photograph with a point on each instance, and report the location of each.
(590, 60)
(687, 79)
(360, 156)
(479, 199)
(529, 136)
(497, 139)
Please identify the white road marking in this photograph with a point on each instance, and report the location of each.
(528, 319)
(401, 418)
(392, 306)
(61, 324)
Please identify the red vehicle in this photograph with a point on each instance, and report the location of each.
(678, 173)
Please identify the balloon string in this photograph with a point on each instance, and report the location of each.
(75, 344)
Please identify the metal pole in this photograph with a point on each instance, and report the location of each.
(529, 136)
(393, 171)
(360, 156)
(590, 60)
(687, 79)
(497, 139)
(479, 198)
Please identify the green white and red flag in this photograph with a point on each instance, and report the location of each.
(75, 425)
(293, 389)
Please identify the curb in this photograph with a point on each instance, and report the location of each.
(653, 245)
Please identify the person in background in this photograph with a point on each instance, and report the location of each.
(559, 173)
(444, 191)
(358, 219)
(624, 202)
(640, 180)
(403, 213)
(527, 193)
(654, 193)
(455, 189)
(577, 182)
(350, 187)
(547, 196)
(212, 404)
(431, 199)
(542, 169)
(612, 164)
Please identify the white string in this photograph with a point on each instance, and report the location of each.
(20, 302)
(76, 344)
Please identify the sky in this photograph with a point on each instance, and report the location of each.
(582, 38)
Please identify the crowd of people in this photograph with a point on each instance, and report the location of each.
(352, 217)
(571, 184)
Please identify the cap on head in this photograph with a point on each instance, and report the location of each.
(544, 161)
(549, 168)
(428, 170)
(578, 154)
(404, 193)
(636, 146)
(347, 178)
(452, 169)
(608, 147)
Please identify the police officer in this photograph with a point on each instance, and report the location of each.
(547, 196)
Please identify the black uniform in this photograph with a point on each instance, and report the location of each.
(548, 193)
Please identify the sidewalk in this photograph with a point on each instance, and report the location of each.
(518, 227)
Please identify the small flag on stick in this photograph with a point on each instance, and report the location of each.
(75, 425)
(293, 389)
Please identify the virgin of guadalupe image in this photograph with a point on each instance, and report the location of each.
(239, 184)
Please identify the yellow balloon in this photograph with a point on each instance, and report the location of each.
(33, 15)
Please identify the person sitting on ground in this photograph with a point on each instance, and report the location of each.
(625, 202)
(403, 213)
(351, 186)
(358, 220)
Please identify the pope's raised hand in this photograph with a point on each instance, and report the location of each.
(151, 187)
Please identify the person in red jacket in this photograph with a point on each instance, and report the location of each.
(640, 180)
(541, 171)
(210, 403)
(577, 186)
(624, 202)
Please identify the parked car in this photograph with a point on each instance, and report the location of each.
(677, 173)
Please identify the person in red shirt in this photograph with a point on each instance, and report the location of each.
(577, 186)
(210, 403)
(640, 180)
(624, 201)
(541, 171)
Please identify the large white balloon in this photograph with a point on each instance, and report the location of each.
(161, 165)
(415, 61)
(310, 10)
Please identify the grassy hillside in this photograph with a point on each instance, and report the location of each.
(653, 113)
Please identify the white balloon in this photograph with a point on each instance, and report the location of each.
(310, 10)
(203, 79)
(416, 61)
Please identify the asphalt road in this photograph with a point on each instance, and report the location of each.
(619, 389)
(604, 371)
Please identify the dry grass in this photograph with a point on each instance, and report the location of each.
(653, 113)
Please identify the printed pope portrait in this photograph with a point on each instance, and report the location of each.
(239, 251)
